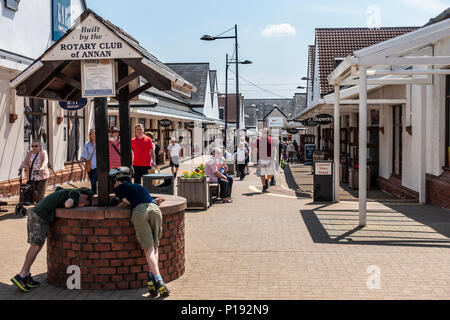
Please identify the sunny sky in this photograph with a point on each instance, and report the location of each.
(273, 34)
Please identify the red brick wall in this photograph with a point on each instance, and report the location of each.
(393, 186)
(107, 252)
(438, 189)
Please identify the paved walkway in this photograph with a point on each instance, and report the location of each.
(281, 245)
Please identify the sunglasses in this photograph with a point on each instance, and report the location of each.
(35, 146)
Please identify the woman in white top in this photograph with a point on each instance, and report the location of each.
(240, 156)
(174, 150)
(36, 168)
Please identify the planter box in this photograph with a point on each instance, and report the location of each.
(196, 192)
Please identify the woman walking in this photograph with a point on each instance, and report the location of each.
(36, 168)
(89, 155)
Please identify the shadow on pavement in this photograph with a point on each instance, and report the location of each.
(414, 226)
(293, 185)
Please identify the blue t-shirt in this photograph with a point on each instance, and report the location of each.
(135, 194)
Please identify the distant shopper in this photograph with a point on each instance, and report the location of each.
(240, 157)
(40, 219)
(147, 221)
(157, 147)
(212, 170)
(174, 150)
(266, 166)
(290, 152)
(114, 148)
(36, 170)
(143, 153)
(89, 156)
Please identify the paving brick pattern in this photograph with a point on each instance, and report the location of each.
(281, 245)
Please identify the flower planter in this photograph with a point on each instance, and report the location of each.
(195, 190)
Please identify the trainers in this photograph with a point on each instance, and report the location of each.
(21, 283)
(162, 288)
(151, 285)
(31, 282)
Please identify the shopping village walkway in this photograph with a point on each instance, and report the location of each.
(281, 245)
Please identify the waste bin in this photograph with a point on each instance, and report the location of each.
(323, 181)
(166, 187)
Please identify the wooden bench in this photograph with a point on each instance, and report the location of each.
(214, 189)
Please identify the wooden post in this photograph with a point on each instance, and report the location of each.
(124, 119)
(102, 149)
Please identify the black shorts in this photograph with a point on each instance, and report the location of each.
(172, 164)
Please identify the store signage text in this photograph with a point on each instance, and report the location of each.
(91, 40)
(310, 122)
(324, 119)
(73, 105)
(165, 123)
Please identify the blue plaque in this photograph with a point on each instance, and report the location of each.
(73, 105)
(61, 19)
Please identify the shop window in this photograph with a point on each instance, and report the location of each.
(36, 123)
(75, 129)
(112, 121)
(142, 121)
(447, 124)
(397, 141)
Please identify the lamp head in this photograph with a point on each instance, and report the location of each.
(207, 37)
(246, 62)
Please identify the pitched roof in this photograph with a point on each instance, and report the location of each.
(341, 42)
(197, 74)
(265, 106)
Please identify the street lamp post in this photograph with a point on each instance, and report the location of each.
(235, 37)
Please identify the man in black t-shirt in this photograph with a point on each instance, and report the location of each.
(39, 220)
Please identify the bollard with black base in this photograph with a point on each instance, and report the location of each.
(323, 181)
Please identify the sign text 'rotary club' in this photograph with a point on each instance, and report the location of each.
(91, 49)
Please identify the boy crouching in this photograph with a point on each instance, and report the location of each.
(147, 221)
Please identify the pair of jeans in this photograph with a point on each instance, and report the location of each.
(241, 170)
(93, 178)
(139, 172)
(225, 190)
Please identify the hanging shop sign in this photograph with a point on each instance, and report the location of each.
(275, 121)
(292, 131)
(98, 79)
(73, 105)
(310, 122)
(165, 123)
(90, 40)
(61, 18)
(323, 118)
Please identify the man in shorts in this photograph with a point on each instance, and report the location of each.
(38, 225)
(147, 221)
(174, 150)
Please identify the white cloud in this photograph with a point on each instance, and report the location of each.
(428, 5)
(276, 30)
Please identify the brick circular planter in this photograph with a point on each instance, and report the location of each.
(101, 241)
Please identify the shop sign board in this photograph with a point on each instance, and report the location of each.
(292, 131)
(165, 123)
(97, 78)
(323, 168)
(318, 155)
(324, 119)
(73, 105)
(275, 121)
(61, 19)
(309, 150)
(91, 40)
(191, 124)
(310, 122)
